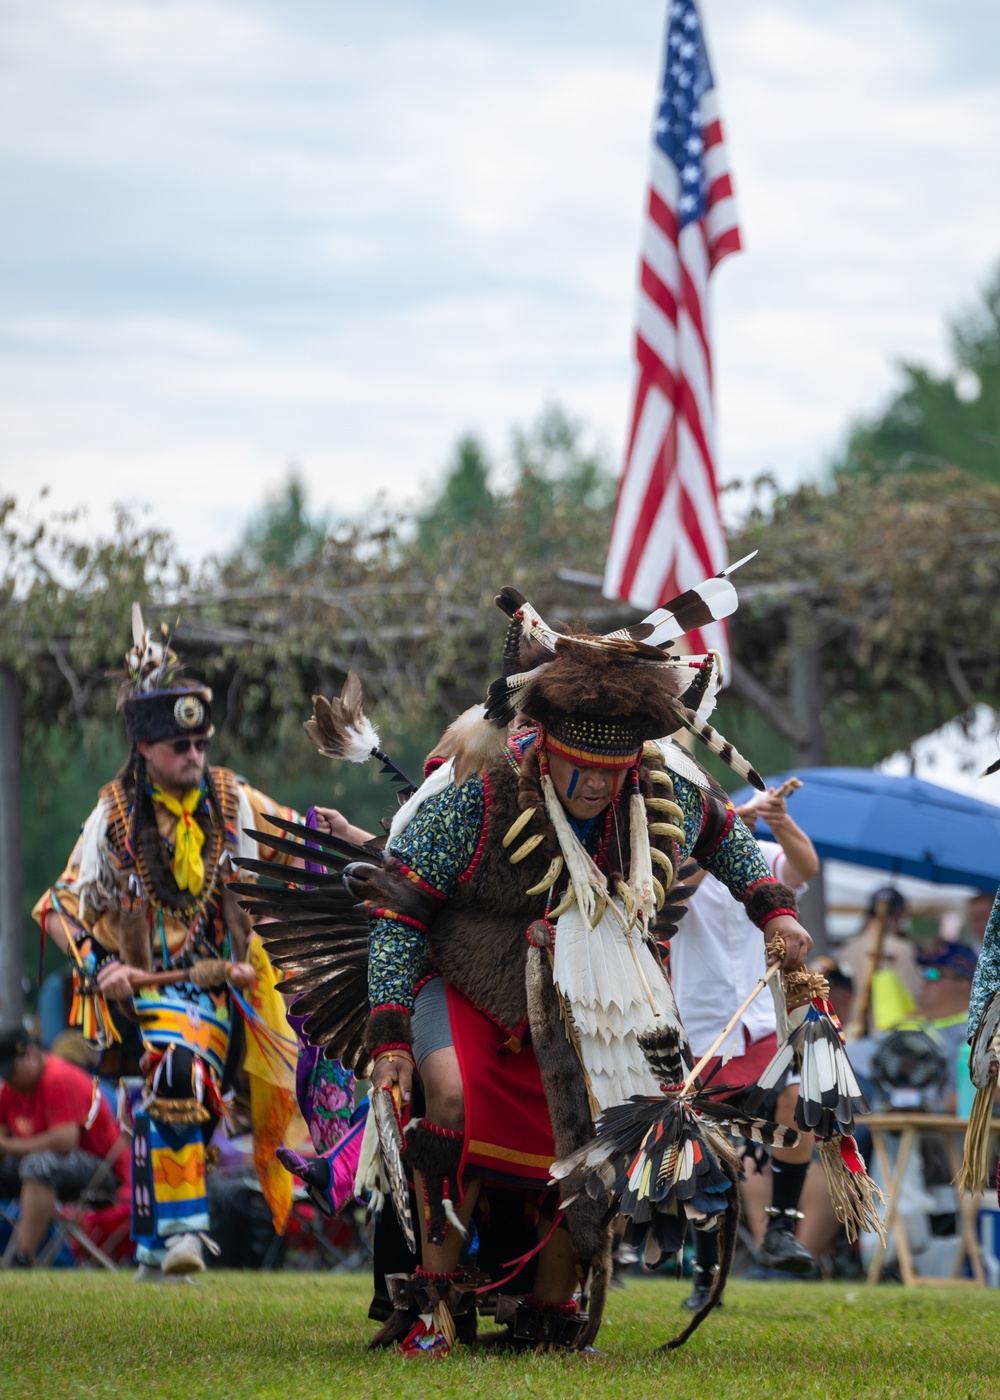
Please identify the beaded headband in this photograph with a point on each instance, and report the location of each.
(595, 743)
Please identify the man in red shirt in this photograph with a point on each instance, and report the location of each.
(55, 1131)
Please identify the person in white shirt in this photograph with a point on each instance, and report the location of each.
(716, 959)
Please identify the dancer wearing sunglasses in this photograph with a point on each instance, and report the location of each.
(144, 895)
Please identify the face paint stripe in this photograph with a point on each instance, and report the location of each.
(572, 783)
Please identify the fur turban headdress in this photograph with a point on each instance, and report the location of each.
(600, 698)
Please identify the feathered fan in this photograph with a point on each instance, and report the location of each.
(829, 1095)
(664, 1162)
(317, 931)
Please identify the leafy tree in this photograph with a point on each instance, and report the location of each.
(936, 421)
(64, 594)
(900, 577)
(281, 534)
(465, 498)
(557, 474)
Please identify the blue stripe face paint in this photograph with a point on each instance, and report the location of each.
(572, 784)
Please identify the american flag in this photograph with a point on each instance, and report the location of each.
(667, 534)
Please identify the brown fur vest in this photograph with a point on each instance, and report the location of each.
(477, 940)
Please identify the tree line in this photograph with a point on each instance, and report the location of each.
(888, 569)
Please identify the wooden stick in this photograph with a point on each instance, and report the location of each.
(169, 977)
(863, 996)
(789, 786)
(172, 976)
(720, 1038)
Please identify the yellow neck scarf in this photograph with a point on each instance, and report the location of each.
(189, 868)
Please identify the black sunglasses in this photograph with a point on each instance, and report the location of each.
(182, 745)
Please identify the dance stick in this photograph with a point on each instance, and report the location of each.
(169, 977)
(775, 967)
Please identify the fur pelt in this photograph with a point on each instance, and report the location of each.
(133, 938)
(472, 741)
(437, 1158)
(477, 939)
(572, 1125)
(594, 683)
(388, 1026)
(766, 897)
(566, 1094)
(386, 887)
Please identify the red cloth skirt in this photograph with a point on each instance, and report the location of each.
(508, 1135)
(743, 1070)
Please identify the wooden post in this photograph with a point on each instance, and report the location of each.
(11, 861)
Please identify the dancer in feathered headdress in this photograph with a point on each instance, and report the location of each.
(157, 939)
(511, 967)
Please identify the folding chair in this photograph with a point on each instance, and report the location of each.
(101, 1190)
(67, 1228)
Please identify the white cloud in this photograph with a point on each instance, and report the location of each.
(234, 234)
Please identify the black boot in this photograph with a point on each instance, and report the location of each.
(702, 1280)
(780, 1249)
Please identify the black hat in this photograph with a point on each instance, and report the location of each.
(890, 898)
(158, 703)
(13, 1043)
(179, 713)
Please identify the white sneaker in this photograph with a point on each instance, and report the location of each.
(183, 1256)
(148, 1273)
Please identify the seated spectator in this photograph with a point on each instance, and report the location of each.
(977, 916)
(943, 1003)
(55, 1131)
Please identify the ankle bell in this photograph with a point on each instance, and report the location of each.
(776, 1214)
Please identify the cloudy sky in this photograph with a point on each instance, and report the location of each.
(240, 233)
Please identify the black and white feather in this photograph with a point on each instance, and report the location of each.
(983, 1050)
(829, 1092)
(716, 743)
(709, 601)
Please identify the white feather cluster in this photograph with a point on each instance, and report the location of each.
(359, 740)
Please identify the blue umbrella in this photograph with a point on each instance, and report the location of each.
(904, 825)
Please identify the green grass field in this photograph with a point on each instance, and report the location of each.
(295, 1336)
